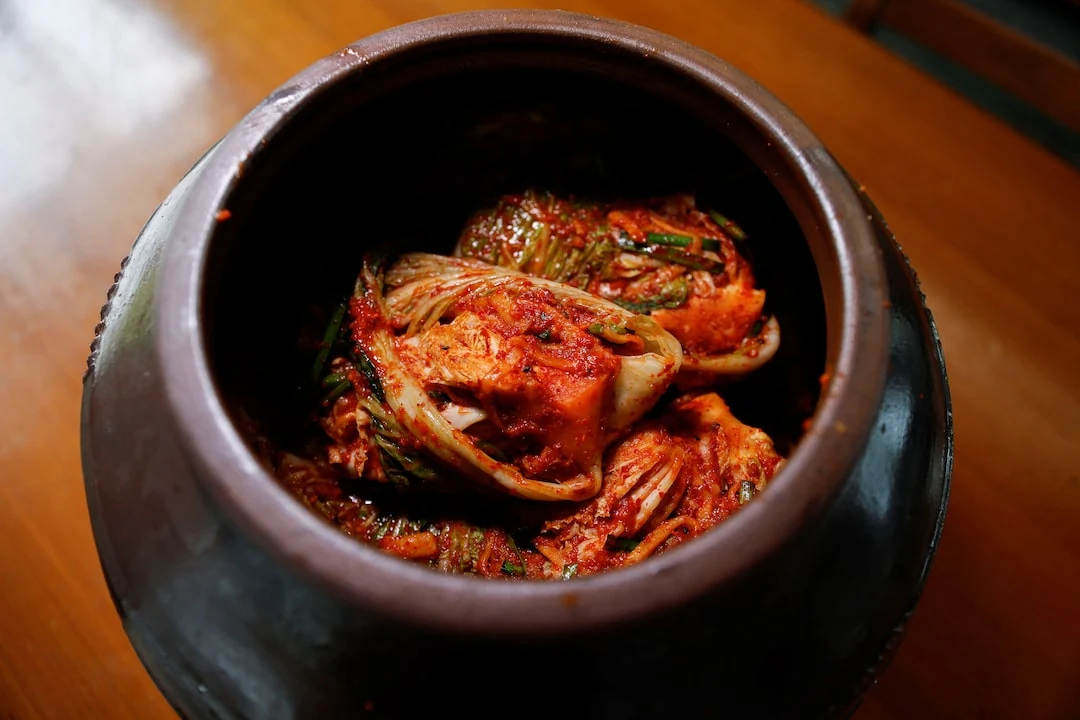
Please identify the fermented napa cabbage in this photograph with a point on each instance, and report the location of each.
(517, 382)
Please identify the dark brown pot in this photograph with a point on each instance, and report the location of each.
(241, 603)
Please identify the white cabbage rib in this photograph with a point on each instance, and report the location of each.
(421, 287)
(738, 362)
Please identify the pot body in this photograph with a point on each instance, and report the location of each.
(228, 629)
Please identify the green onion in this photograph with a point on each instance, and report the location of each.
(672, 295)
(408, 462)
(669, 239)
(521, 558)
(672, 255)
(614, 334)
(734, 230)
(601, 329)
(618, 544)
(544, 335)
(396, 475)
(511, 569)
(710, 244)
(756, 329)
(333, 379)
(367, 369)
(330, 336)
(569, 571)
(337, 391)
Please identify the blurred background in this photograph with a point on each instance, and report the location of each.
(1014, 58)
(959, 116)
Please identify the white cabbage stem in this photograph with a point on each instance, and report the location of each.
(739, 362)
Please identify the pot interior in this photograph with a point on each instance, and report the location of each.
(404, 151)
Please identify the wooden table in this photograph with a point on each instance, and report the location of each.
(105, 103)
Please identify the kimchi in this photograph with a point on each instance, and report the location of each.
(480, 374)
(547, 401)
(664, 258)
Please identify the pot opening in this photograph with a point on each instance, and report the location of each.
(405, 148)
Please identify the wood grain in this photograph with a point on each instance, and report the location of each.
(1029, 70)
(107, 102)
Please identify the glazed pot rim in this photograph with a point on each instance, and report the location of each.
(369, 578)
